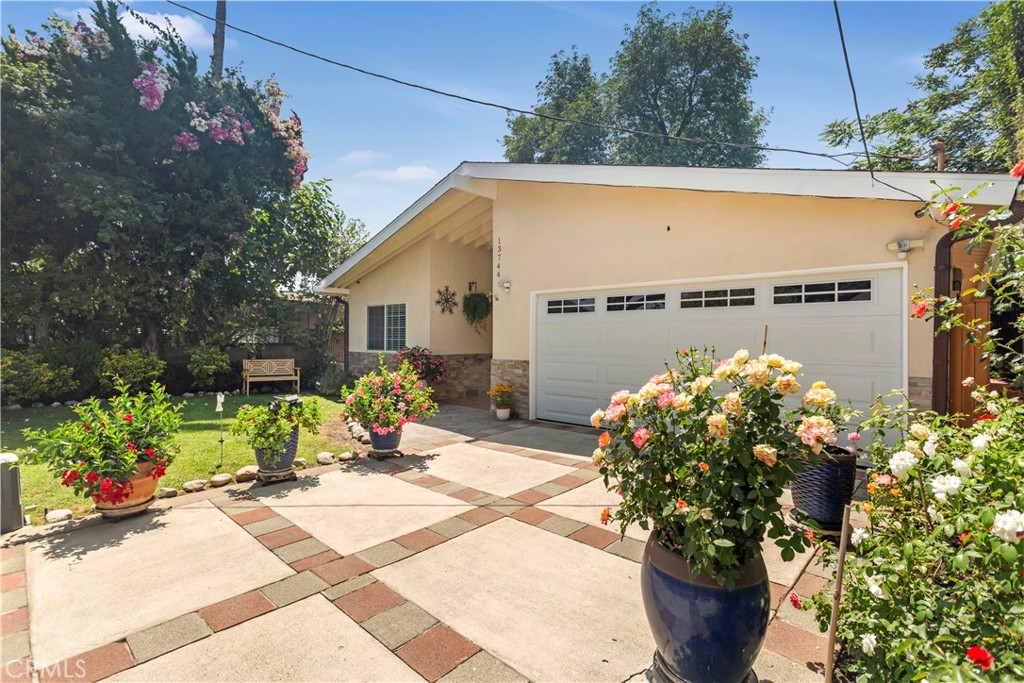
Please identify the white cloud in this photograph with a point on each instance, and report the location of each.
(194, 33)
(362, 157)
(401, 174)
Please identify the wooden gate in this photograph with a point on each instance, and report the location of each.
(965, 359)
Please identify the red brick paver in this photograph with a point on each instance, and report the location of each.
(428, 482)
(437, 652)
(316, 560)
(796, 643)
(276, 539)
(779, 593)
(529, 496)
(235, 610)
(342, 570)
(251, 516)
(592, 536)
(16, 670)
(547, 457)
(9, 582)
(809, 584)
(532, 516)
(13, 621)
(368, 602)
(468, 495)
(568, 481)
(420, 540)
(481, 516)
(93, 665)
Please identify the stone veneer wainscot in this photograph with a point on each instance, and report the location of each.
(516, 374)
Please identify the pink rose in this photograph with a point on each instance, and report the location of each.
(641, 436)
(614, 412)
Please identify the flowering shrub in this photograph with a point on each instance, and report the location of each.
(386, 400)
(153, 82)
(289, 130)
(939, 574)
(428, 367)
(268, 428)
(134, 368)
(502, 395)
(702, 452)
(97, 453)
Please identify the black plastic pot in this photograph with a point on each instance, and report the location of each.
(821, 491)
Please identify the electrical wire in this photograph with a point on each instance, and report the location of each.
(529, 112)
(856, 108)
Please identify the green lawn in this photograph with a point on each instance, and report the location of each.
(200, 456)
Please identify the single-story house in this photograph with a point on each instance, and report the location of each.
(599, 273)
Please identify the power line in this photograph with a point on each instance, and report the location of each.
(856, 108)
(530, 112)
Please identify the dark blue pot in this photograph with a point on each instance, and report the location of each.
(821, 492)
(282, 461)
(704, 633)
(385, 442)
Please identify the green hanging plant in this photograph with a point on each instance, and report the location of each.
(476, 308)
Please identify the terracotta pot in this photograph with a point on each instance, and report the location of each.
(141, 497)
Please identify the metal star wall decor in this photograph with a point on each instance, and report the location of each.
(446, 299)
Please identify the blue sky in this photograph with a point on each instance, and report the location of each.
(383, 145)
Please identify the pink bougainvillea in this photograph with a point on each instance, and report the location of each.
(153, 82)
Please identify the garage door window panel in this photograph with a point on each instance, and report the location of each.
(822, 292)
(560, 306)
(717, 298)
(636, 302)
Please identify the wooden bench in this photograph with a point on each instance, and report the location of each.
(270, 370)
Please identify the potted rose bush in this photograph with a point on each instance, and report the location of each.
(383, 402)
(700, 455)
(113, 454)
(273, 432)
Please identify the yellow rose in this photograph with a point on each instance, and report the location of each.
(766, 454)
(700, 385)
(786, 384)
(773, 360)
(757, 373)
(920, 431)
(732, 403)
(598, 456)
(682, 402)
(741, 357)
(790, 367)
(597, 418)
(718, 426)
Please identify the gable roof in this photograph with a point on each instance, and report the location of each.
(481, 178)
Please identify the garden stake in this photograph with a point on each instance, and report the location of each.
(220, 422)
(837, 593)
(764, 344)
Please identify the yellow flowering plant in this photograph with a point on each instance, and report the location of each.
(501, 394)
(701, 453)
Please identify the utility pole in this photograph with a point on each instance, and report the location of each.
(218, 39)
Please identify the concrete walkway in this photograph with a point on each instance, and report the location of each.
(476, 556)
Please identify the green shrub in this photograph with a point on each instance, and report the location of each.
(83, 356)
(334, 379)
(134, 368)
(206, 362)
(25, 377)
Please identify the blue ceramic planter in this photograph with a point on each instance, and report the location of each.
(385, 443)
(704, 633)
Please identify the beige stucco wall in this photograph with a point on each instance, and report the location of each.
(556, 236)
(404, 278)
(413, 277)
(457, 265)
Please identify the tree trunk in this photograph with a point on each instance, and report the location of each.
(218, 40)
(151, 341)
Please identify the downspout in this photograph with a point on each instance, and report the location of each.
(348, 335)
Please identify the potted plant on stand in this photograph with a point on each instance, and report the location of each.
(700, 455)
(502, 396)
(383, 402)
(113, 455)
(273, 432)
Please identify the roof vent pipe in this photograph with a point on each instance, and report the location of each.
(939, 150)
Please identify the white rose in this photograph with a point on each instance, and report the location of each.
(859, 536)
(901, 463)
(961, 468)
(945, 485)
(920, 431)
(935, 516)
(868, 642)
(931, 445)
(875, 586)
(980, 442)
(991, 408)
(1009, 526)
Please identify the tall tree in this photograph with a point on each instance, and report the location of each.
(972, 98)
(571, 90)
(688, 76)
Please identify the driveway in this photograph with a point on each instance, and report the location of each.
(476, 556)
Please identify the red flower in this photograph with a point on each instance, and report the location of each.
(128, 418)
(150, 452)
(1018, 170)
(986, 416)
(809, 535)
(161, 468)
(67, 478)
(794, 600)
(980, 656)
(604, 439)
(682, 505)
(132, 447)
(91, 478)
(605, 515)
(965, 538)
(955, 223)
(950, 209)
(703, 467)
(920, 308)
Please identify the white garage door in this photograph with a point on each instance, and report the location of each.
(845, 327)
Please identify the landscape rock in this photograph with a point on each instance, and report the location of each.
(188, 394)
(364, 439)
(236, 392)
(13, 406)
(219, 480)
(71, 404)
(166, 492)
(300, 463)
(194, 485)
(56, 404)
(325, 458)
(37, 404)
(201, 393)
(29, 508)
(247, 473)
(54, 516)
(347, 455)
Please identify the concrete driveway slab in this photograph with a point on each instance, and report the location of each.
(551, 608)
(491, 471)
(584, 504)
(98, 584)
(549, 439)
(276, 647)
(351, 510)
